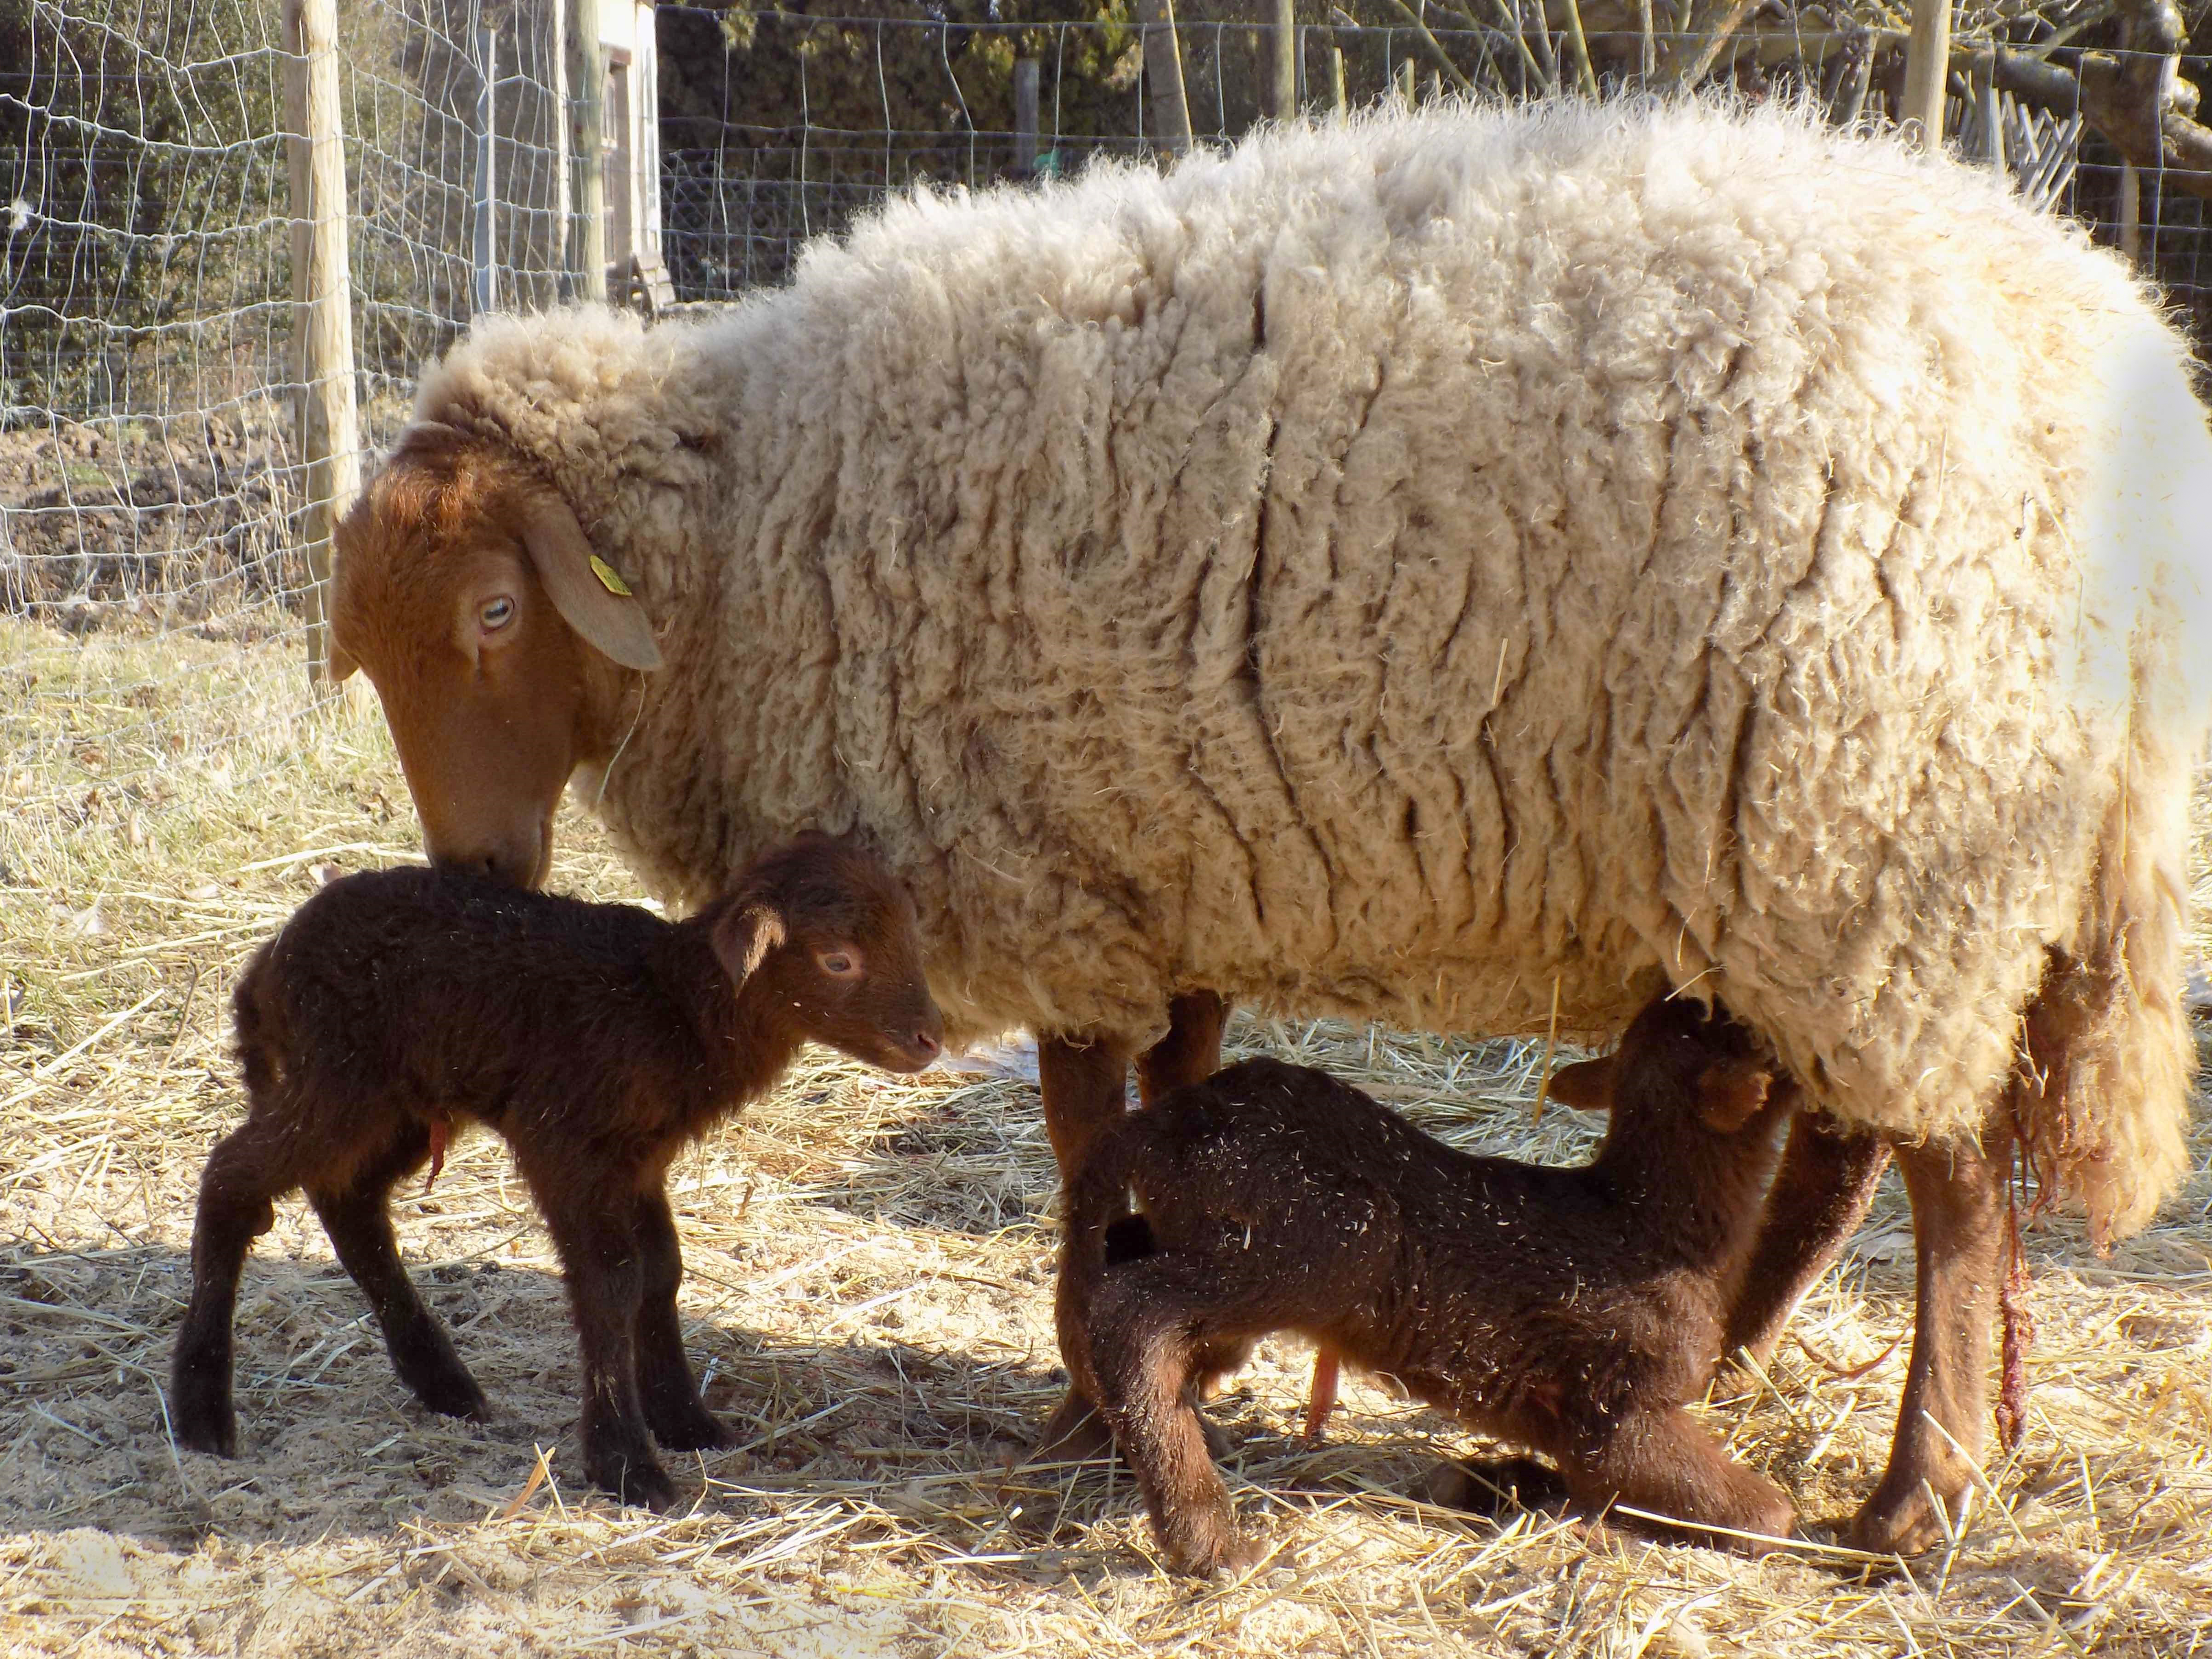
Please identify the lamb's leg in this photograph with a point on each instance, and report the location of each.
(677, 1416)
(1664, 1462)
(1958, 1227)
(598, 1243)
(1153, 1321)
(1085, 1083)
(244, 1174)
(358, 1218)
(1820, 1194)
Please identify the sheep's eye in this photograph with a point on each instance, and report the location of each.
(839, 964)
(496, 614)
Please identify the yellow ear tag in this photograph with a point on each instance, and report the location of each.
(608, 580)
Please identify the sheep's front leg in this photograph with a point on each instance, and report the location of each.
(1958, 1216)
(1820, 1194)
(1191, 1052)
(677, 1416)
(606, 1282)
(1085, 1083)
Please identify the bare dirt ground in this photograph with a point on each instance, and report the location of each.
(869, 1298)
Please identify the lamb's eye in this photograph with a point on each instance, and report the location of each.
(839, 964)
(496, 614)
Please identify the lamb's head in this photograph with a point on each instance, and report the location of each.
(499, 645)
(1681, 1072)
(821, 937)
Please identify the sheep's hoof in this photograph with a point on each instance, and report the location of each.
(1218, 1549)
(1077, 1434)
(1888, 1526)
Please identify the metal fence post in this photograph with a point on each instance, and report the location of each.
(484, 286)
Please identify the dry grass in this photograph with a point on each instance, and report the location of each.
(868, 1296)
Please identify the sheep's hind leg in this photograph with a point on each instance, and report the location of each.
(1820, 1194)
(1958, 1211)
(1663, 1463)
(1153, 1321)
(673, 1410)
(358, 1218)
(243, 1175)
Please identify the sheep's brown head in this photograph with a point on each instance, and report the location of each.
(465, 590)
(821, 936)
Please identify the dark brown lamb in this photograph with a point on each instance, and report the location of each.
(597, 1039)
(1573, 1311)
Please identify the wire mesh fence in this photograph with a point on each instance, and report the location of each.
(151, 476)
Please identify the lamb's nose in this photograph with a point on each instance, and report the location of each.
(925, 1045)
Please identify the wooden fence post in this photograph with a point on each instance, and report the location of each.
(1164, 68)
(1283, 63)
(587, 76)
(1927, 70)
(322, 303)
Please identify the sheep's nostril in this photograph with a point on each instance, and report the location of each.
(925, 1045)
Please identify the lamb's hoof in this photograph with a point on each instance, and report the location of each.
(641, 1482)
(454, 1396)
(216, 1435)
(1491, 1486)
(695, 1430)
(1075, 1434)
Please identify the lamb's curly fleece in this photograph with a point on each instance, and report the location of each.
(1413, 567)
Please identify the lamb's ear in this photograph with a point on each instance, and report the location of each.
(744, 936)
(1732, 1092)
(584, 588)
(1586, 1085)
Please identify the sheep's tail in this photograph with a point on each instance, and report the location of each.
(2100, 1098)
(2100, 1094)
(1100, 1233)
(259, 1026)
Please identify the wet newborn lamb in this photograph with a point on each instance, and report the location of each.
(1573, 1311)
(597, 1039)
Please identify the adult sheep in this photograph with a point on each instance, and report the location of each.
(1447, 568)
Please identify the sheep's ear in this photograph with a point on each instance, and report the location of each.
(744, 936)
(585, 589)
(1732, 1092)
(1586, 1085)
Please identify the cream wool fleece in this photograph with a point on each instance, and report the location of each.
(1411, 568)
